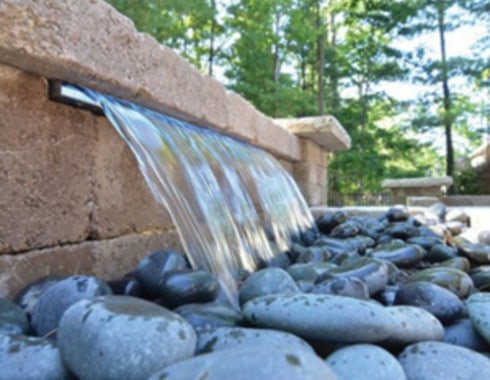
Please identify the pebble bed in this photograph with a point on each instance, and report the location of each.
(394, 297)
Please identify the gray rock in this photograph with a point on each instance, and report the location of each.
(462, 333)
(365, 362)
(27, 298)
(208, 316)
(479, 253)
(442, 361)
(265, 282)
(309, 272)
(121, 337)
(440, 302)
(461, 263)
(452, 279)
(402, 256)
(484, 237)
(412, 325)
(321, 317)
(248, 363)
(55, 300)
(348, 286)
(225, 338)
(441, 252)
(12, 318)
(29, 358)
(479, 311)
(481, 277)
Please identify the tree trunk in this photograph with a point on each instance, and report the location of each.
(333, 79)
(447, 118)
(320, 59)
(212, 52)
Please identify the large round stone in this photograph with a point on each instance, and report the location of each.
(321, 317)
(29, 358)
(121, 337)
(462, 333)
(365, 362)
(12, 318)
(343, 286)
(208, 316)
(479, 310)
(437, 360)
(442, 303)
(250, 362)
(224, 338)
(55, 300)
(452, 279)
(266, 281)
(401, 255)
(28, 297)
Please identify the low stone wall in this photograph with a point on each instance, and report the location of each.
(71, 195)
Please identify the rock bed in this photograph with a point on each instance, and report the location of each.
(395, 297)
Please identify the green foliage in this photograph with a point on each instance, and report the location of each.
(468, 182)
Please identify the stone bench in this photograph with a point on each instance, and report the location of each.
(403, 188)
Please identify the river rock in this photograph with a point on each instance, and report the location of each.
(127, 286)
(426, 242)
(28, 296)
(345, 230)
(349, 319)
(439, 210)
(441, 252)
(178, 288)
(462, 333)
(401, 255)
(29, 358)
(314, 255)
(12, 318)
(309, 272)
(348, 286)
(328, 221)
(479, 311)
(481, 277)
(461, 263)
(250, 362)
(440, 302)
(266, 281)
(224, 338)
(208, 316)
(452, 279)
(397, 214)
(152, 267)
(478, 253)
(120, 337)
(365, 362)
(442, 361)
(484, 237)
(412, 325)
(55, 300)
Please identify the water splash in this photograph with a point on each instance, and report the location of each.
(220, 192)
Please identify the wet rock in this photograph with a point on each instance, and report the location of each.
(461, 263)
(481, 277)
(437, 210)
(314, 255)
(452, 279)
(181, 287)
(250, 363)
(349, 319)
(12, 318)
(28, 296)
(280, 260)
(426, 242)
(438, 360)
(266, 281)
(327, 222)
(402, 230)
(373, 273)
(387, 295)
(345, 230)
(365, 362)
(479, 311)
(55, 300)
(120, 337)
(441, 252)
(484, 237)
(309, 272)
(462, 333)
(348, 286)
(440, 302)
(29, 358)
(336, 247)
(397, 214)
(208, 316)
(478, 253)
(225, 338)
(152, 267)
(402, 256)
(127, 286)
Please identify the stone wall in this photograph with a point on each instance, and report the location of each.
(72, 199)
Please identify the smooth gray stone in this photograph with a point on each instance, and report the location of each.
(412, 325)
(479, 311)
(454, 280)
(479, 253)
(250, 363)
(266, 281)
(462, 333)
(12, 318)
(348, 286)
(55, 300)
(321, 317)
(224, 338)
(461, 263)
(441, 252)
(402, 256)
(443, 361)
(328, 221)
(440, 302)
(208, 316)
(481, 277)
(309, 272)
(121, 337)
(29, 358)
(28, 297)
(365, 362)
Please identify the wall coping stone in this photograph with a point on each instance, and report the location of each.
(88, 42)
(326, 131)
(417, 182)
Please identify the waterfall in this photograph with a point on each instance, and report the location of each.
(222, 194)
